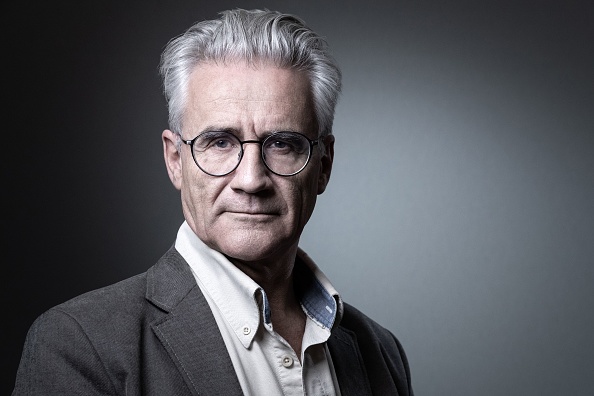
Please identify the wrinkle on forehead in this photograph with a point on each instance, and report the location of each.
(248, 97)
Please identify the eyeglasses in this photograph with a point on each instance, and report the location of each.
(218, 153)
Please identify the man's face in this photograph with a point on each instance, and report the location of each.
(250, 214)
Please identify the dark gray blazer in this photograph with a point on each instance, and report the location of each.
(154, 334)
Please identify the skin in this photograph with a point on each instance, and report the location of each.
(252, 216)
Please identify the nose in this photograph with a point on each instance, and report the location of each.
(251, 175)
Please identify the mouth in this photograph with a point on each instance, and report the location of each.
(252, 212)
(252, 216)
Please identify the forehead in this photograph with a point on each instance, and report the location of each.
(248, 98)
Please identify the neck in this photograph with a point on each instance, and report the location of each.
(274, 275)
(276, 278)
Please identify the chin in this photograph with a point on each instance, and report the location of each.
(253, 246)
(248, 253)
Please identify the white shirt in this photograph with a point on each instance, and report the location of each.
(264, 362)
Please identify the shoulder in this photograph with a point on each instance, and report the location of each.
(97, 340)
(121, 308)
(371, 335)
(121, 294)
(130, 300)
(378, 349)
(104, 312)
(93, 311)
(356, 321)
(70, 345)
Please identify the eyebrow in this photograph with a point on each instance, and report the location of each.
(237, 132)
(213, 128)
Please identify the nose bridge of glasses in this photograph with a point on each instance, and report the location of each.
(242, 142)
(243, 147)
(258, 150)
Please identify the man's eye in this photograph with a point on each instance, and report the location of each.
(280, 147)
(279, 144)
(215, 141)
(221, 143)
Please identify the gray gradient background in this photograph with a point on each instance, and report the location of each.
(460, 213)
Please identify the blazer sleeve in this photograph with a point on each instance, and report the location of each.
(59, 359)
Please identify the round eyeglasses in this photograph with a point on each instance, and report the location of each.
(218, 153)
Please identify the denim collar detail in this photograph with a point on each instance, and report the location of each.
(316, 301)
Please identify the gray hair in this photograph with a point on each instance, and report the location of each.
(252, 36)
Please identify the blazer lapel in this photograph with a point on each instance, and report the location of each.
(348, 363)
(189, 331)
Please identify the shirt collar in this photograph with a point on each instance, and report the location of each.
(242, 302)
(319, 299)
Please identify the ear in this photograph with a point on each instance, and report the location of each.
(172, 156)
(326, 163)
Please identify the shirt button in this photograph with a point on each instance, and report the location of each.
(246, 330)
(287, 361)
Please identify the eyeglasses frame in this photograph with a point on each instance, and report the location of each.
(311, 142)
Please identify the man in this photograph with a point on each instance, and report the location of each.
(234, 307)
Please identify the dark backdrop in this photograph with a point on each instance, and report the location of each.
(460, 213)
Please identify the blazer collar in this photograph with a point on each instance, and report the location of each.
(169, 281)
(188, 330)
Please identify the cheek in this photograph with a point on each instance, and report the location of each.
(304, 196)
(194, 196)
(201, 191)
